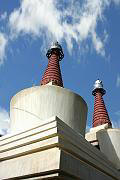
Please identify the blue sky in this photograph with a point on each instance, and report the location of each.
(89, 34)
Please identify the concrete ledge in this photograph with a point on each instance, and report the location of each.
(91, 136)
(31, 164)
(109, 140)
(53, 148)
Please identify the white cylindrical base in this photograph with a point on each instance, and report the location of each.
(32, 106)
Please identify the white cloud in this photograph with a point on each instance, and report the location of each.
(3, 44)
(117, 113)
(3, 16)
(71, 20)
(116, 122)
(33, 16)
(98, 44)
(116, 1)
(4, 120)
(118, 81)
(41, 16)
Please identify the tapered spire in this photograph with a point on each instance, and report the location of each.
(52, 74)
(100, 115)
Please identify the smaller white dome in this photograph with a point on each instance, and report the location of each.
(56, 45)
(98, 84)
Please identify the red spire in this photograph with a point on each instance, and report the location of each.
(100, 115)
(53, 73)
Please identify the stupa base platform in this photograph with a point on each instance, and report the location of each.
(52, 151)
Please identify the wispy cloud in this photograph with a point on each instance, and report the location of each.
(117, 2)
(3, 44)
(116, 122)
(117, 113)
(4, 121)
(118, 80)
(3, 16)
(71, 21)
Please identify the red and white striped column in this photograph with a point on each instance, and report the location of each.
(53, 72)
(100, 115)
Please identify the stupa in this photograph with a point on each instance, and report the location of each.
(47, 133)
(102, 135)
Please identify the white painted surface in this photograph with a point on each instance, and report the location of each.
(42, 150)
(30, 107)
(91, 135)
(109, 141)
